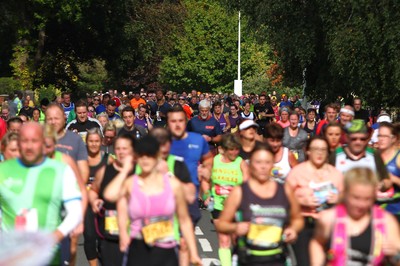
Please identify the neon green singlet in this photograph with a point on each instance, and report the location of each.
(224, 177)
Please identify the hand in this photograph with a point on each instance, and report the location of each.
(195, 260)
(333, 198)
(313, 201)
(78, 230)
(125, 165)
(124, 242)
(97, 205)
(389, 248)
(289, 235)
(242, 228)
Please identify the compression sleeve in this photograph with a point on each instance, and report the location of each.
(72, 198)
(73, 216)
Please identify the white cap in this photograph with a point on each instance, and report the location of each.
(384, 118)
(247, 123)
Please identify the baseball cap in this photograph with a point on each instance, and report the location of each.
(356, 126)
(247, 123)
(384, 117)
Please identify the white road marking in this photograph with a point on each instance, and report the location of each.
(197, 231)
(210, 262)
(205, 245)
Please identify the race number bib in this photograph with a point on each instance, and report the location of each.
(223, 190)
(158, 231)
(264, 235)
(111, 223)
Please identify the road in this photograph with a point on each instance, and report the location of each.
(207, 243)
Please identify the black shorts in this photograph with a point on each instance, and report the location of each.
(215, 214)
(141, 254)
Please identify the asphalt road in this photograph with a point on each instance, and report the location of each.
(207, 243)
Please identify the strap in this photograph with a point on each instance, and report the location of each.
(339, 241)
(269, 252)
(378, 233)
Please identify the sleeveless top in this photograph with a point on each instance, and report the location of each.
(281, 169)
(106, 222)
(365, 249)
(95, 168)
(309, 130)
(235, 123)
(150, 220)
(393, 206)
(267, 217)
(250, 116)
(224, 177)
(296, 143)
(221, 120)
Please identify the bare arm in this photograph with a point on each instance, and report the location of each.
(296, 220)
(320, 238)
(185, 221)
(123, 218)
(228, 124)
(113, 191)
(93, 193)
(84, 170)
(245, 170)
(292, 160)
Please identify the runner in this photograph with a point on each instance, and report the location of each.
(248, 138)
(284, 158)
(234, 118)
(270, 215)
(105, 210)
(295, 138)
(9, 146)
(356, 232)
(33, 189)
(222, 118)
(310, 124)
(388, 137)
(96, 159)
(317, 185)
(151, 239)
(333, 132)
(284, 117)
(229, 170)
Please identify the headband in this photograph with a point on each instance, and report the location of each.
(347, 111)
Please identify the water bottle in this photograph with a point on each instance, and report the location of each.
(210, 206)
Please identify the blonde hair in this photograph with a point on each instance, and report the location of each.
(358, 175)
(10, 136)
(49, 132)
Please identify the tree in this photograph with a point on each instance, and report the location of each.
(205, 54)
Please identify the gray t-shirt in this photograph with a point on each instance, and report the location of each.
(296, 144)
(72, 145)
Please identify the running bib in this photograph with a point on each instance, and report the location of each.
(110, 222)
(264, 235)
(158, 231)
(27, 220)
(223, 190)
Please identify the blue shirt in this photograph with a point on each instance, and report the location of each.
(192, 149)
(209, 127)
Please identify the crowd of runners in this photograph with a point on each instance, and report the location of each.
(284, 184)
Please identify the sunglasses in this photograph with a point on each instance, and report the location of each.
(362, 139)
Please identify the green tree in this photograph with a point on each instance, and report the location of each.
(205, 55)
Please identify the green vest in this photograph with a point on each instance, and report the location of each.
(224, 177)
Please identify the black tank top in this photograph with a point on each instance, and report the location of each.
(94, 169)
(361, 246)
(109, 175)
(269, 215)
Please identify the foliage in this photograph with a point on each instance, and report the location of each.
(22, 67)
(205, 55)
(346, 47)
(92, 76)
(50, 92)
(8, 85)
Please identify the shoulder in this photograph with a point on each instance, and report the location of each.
(71, 124)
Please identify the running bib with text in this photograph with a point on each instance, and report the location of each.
(111, 223)
(158, 230)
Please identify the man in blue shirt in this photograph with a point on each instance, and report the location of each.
(197, 156)
(206, 125)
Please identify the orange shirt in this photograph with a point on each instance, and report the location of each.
(135, 103)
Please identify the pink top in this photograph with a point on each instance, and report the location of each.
(283, 124)
(308, 182)
(149, 210)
